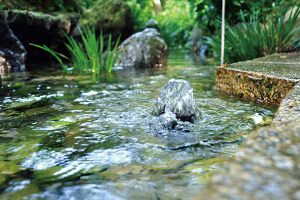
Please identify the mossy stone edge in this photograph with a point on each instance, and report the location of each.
(267, 164)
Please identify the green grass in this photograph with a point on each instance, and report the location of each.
(252, 39)
(87, 57)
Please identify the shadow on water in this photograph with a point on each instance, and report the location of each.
(64, 138)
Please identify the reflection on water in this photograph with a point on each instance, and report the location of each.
(72, 138)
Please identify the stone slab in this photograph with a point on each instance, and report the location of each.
(267, 79)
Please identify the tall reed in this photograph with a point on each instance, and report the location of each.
(89, 56)
(252, 39)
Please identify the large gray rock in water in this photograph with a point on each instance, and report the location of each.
(12, 52)
(144, 49)
(177, 97)
(38, 28)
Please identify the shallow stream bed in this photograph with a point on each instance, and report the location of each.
(73, 138)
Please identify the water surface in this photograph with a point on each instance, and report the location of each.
(73, 138)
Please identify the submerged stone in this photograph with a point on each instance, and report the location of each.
(177, 97)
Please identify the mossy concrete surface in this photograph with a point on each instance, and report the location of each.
(267, 166)
(266, 79)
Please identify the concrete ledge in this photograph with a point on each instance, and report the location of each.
(267, 166)
(265, 80)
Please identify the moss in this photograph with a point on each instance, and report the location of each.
(110, 16)
(255, 86)
(204, 165)
(47, 175)
(116, 171)
(2, 179)
(24, 150)
(27, 104)
(107, 14)
(38, 111)
(8, 167)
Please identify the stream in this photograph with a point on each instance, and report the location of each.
(64, 138)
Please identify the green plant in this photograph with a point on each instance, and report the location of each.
(140, 14)
(87, 57)
(210, 11)
(176, 22)
(252, 39)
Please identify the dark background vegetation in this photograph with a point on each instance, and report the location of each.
(178, 17)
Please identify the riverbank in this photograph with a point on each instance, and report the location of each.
(267, 166)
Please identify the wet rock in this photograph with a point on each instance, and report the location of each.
(110, 16)
(177, 97)
(144, 49)
(38, 28)
(5, 67)
(12, 51)
(163, 123)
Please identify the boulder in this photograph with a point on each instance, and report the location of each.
(177, 97)
(111, 16)
(144, 49)
(38, 28)
(12, 52)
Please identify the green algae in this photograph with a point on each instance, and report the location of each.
(117, 171)
(2, 178)
(38, 111)
(204, 165)
(9, 168)
(23, 150)
(47, 175)
(27, 104)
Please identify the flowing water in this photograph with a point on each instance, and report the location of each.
(73, 138)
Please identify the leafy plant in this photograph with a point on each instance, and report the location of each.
(88, 57)
(140, 13)
(175, 22)
(210, 11)
(252, 39)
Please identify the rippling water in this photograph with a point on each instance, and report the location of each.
(73, 138)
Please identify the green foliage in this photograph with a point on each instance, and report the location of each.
(252, 39)
(176, 22)
(88, 57)
(2, 6)
(47, 5)
(140, 13)
(209, 12)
